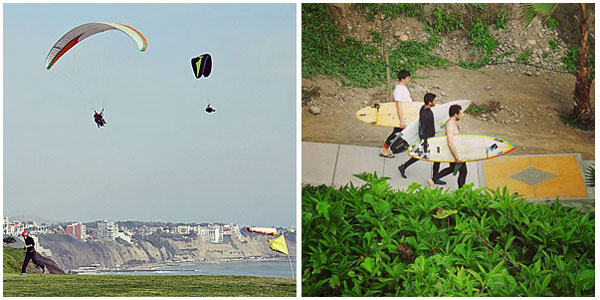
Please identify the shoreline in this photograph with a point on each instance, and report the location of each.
(150, 266)
(193, 268)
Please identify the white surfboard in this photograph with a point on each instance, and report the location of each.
(440, 116)
(470, 147)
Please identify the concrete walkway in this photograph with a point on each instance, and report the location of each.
(537, 177)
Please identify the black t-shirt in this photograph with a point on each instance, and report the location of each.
(29, 241)
(426, 124)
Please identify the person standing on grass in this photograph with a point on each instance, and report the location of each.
(30, 254)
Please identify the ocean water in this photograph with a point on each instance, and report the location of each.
(258, 269)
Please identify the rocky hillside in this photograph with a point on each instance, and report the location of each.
(71, 253)
(547, 45)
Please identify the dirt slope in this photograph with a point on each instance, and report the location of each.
(529, 114)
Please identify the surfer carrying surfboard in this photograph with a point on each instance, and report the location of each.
(401, 94)
(426, 130)
(452, 129)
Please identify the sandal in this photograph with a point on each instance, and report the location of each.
(389, 155)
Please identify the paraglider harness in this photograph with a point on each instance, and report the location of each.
(209, 109)
(99, 119)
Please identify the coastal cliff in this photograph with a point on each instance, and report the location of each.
(71, 253)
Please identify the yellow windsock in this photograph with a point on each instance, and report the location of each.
(279, 244)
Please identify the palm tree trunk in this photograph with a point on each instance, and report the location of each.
(581, 95)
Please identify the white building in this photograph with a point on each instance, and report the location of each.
(107, 230)
(144, 230)
(13, 228)
(233, 230)
(211, 233)
(124, 235)
(182, 229)
(43, 251)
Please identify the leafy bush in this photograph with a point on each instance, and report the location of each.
(325, 52)
(412, 55)
(524, 57)
(500, 22)
(482, 38)
(356, 63)
(12, 260)
(570, 61)
(552, 23)
(590, 175)
(374, 241)
(444, 19)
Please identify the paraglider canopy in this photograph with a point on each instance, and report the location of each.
(79, 33)
(202, 65)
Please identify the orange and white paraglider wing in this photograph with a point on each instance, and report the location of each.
(79, 33)
(263, 230)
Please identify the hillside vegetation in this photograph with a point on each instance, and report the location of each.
(12, 260)
(358, 43)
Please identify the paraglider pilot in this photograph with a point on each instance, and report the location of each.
(30, 254)
(99, 119)
(209, 109)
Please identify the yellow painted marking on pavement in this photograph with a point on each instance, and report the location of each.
(566, 183)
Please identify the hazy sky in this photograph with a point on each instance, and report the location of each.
(160, 157)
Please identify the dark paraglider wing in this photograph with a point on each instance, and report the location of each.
(202, 65)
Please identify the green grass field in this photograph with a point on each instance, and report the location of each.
(38, 285)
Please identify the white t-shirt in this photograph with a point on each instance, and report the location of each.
(402, 94)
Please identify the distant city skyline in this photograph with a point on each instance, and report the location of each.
(41, 220)
(161, 157)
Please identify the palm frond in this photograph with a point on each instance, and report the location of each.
(541, 10)
(590, 175)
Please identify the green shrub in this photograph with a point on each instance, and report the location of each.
(376, 36)
(524, 57)
(570, 61)
(353, 62)
(590, 175)
(443, 20)
(482, 38)
(552, 23)
(12, 260)
(413, 55)
(374, 241)
(500, 22)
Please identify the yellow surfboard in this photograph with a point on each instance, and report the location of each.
(385, 114)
